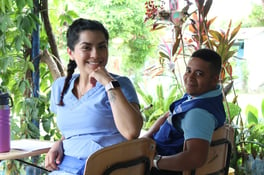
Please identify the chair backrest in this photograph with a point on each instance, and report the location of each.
(132, 157)
(218, 159)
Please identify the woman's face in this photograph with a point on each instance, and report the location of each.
(90, 52)
(199, 78)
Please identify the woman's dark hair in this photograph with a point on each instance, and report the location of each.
(70, 70)
(80, 25)
(73, 36)
(210, 56)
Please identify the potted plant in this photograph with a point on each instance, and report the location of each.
(191, 31)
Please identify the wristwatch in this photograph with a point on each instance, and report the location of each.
(111, 85)
(156, 161)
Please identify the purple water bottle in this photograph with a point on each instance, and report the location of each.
(5, 122)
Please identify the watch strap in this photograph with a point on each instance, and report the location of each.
(156, 161)
(112, 85)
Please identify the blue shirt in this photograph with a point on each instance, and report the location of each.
(87, 123)
(198, 122)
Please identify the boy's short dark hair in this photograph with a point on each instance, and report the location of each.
(210, 56)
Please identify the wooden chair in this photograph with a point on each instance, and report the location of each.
(132, 157)
(219, 153)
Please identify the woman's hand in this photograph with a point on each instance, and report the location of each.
(54, 156)
(101, 75)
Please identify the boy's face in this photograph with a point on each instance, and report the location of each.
(199, 78)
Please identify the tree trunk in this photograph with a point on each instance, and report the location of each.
(51, 39)
(46, 58)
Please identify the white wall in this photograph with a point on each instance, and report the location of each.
(254, 54)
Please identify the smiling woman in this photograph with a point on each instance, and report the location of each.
(91, 105)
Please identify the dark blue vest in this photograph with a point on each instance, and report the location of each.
(169, 138)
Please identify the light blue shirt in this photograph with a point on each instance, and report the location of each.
(199, 123)
(87, 123)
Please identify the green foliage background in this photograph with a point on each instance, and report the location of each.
(30, 116)
(124, 20)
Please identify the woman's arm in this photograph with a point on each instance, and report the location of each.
(127, 116)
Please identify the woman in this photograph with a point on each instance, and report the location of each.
(94, 108)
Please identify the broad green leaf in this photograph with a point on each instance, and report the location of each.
(31, 66)
(27, 41)
(252, 114)
(18, 43)
(251, 118)
(29, 3)
(2, 6)
(234, 110)
(20, 4)
(252, 109)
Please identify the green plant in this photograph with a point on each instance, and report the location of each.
(199, 35)
(156, 104)
(250, 139)
(18, 21)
